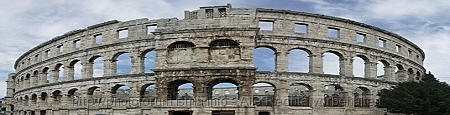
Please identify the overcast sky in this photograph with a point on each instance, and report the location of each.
(27, 23)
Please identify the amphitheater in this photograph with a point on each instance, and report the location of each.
(210, 46)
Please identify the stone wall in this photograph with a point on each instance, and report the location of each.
(210, 46)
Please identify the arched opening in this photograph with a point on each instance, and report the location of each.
(60, 69)
(76, 65)
(36, 78)
(95, 94)
(56, 95)
(73, 97)
(224, 51)
(331, 63)
(264, 59)
(381, 68)
(180, 47)
(418, 76)
(334, 96)
(180, 90)
(149, 61)
(217, 87)
(26, 100)
(121, 93)
(298, 60)
(400, 73)
(148, 93)
(34, 99)
(359, 66)
(264, 94)
(47, 74)
(123, 64)
(411, 76)
(299, 94)
(44, 96)
(97, 66)
(362, 98)
(27, 80)
(225, 91)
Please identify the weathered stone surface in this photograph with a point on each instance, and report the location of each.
(209, 46)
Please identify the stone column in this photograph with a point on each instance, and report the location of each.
(137, 63)
(110, 67)
(389, 73)
(281, 62)
(346, 67)
(401, 75)
(43, 79)
(316, 63)
(370, 70)
(54, 76)
(69, 73)
(87, 70)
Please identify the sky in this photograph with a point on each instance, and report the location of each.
(27, 23)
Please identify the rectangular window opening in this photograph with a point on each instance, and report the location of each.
(151, 28)
(397, 48)
(77, 44)
(360, 37)
(300, 28)
(227, 92)
(98, 38)
(36, 57)
(123, 33)
(266, 25)
(409, 52)
(333, 32)
(222, 12)
(209, 13)
(381, 43)
(47, 53)
(60, 48)
(223, 112)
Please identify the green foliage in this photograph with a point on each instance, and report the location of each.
(427, 97)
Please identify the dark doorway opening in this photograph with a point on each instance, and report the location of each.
(33, 113)
(43, 112)
(263, 113)
(180, 112)
(223, 112)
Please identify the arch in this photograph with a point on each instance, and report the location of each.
(361, 97)
(264, 93)
(224, 43)
(121, 92)
(27, 77)
(411, 76)
(149, 57)
(264, 58)
(331, 62)
(44, 96)
(72, 91)
(47, 73)
(36, 73)
(91, 90)
(71, 95)
(359, 65)
(399, 67)
(381, 68)
(77, 67)
(333, 93)
(147, 92)
(123, 62)
(298, 60)
(266, 46)
(97, 65)
(418, 76)
(181, 44)
(174, 88)
(60, 69)
(34, 98)
(213, 83)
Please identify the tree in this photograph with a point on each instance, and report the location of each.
(426, 97)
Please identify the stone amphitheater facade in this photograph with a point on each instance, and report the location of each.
(209, 46)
